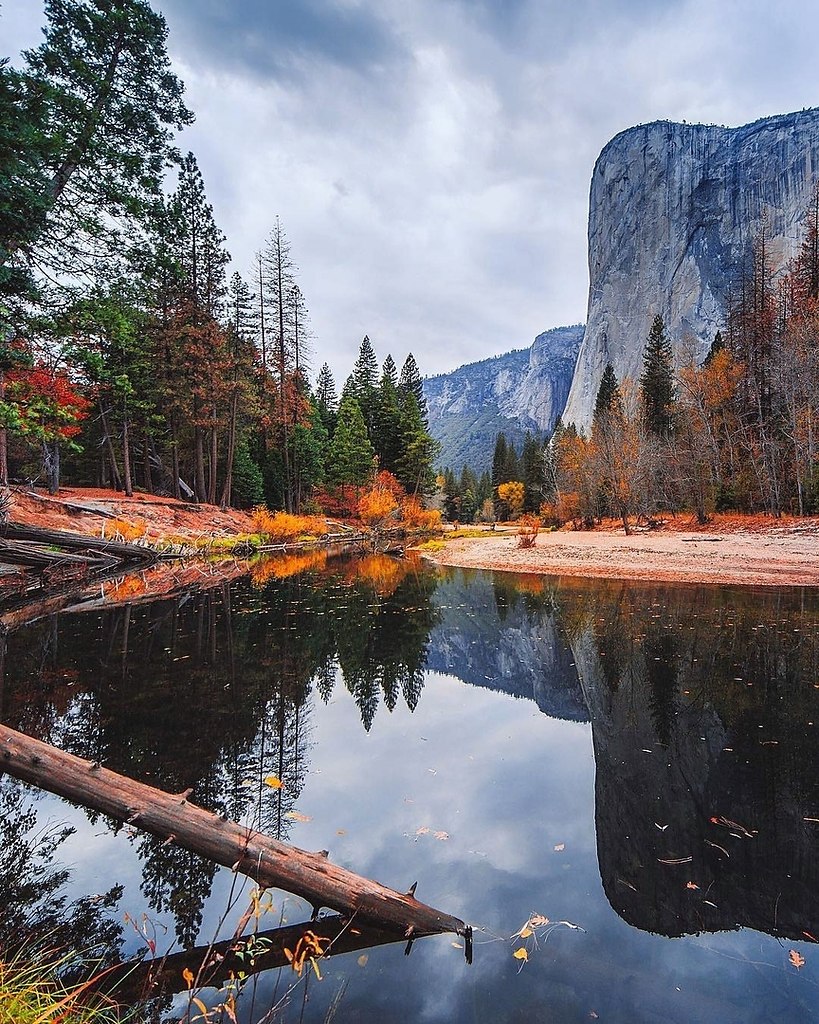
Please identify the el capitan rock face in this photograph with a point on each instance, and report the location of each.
(672, 213)
(521, 390)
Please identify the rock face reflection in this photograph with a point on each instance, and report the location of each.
(704, 709)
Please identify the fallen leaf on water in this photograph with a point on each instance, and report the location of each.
(422, 831)
(520, 954)
(273, 782)
(362, 960)
(187, 976)
(691, 885)
(537, 921)
(441, 835)
(796, 959)
(298, 816)
(662, 828)
(560, 847)
(456, 945)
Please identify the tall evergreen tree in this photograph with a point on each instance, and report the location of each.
(410, 383)
(500, 458)
(365, 381)
(350, 454)
(326, 398)
(657, 380)
(608, 394)
(106, 103)
(387, 420)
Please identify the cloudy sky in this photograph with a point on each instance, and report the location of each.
(430, 159)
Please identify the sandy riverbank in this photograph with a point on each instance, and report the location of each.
(757, 552)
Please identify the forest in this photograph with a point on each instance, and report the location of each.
(734, 432)
(130, 355)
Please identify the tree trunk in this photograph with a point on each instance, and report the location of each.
(126, 455)
(148, 448)
(109, 447)
(177, 491)
(268, 862)
(231, 452)
(4, 445)
(199, 465)
(214, 437)
(51, 465)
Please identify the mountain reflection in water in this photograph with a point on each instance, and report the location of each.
(702, 704)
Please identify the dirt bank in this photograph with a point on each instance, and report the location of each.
(745, 550)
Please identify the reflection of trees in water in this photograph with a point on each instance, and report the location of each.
(212, 691)
(37, 914)
(705, 750)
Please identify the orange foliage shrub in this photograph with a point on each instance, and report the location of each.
(416, 517)
(529, 529)
(128, 531)
(284, 526)
(376, 505)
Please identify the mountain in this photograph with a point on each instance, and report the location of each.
(522, 390)
(673, 210)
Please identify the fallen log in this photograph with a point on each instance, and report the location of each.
(216, 963)
(78, 542)
(270, 863)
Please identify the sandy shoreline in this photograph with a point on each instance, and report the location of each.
(774, 556)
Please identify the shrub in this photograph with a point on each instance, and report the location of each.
(282, 526)
(416, 517)
(529, 529)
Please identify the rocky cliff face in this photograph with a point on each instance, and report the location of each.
(672, 212)
(519, 391)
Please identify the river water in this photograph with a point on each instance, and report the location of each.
(638, 762)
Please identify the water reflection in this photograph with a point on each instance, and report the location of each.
(702, 704)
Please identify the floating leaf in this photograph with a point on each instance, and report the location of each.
(796, 959)
(521, 954)
(537, 921)
(441, 835)
(341, 831)
(273, 782)
(525, 932)
(202, 1007)
(422, 831)
(187, 976)
(560, 847)
(362, 960)
(691, 885)
(298, 816)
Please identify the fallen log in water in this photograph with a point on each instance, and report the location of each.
(215, 964)
(267, 861)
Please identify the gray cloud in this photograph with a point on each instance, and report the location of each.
(283, 37)
(431, 160)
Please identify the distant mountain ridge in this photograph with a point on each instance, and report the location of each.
(525, 389)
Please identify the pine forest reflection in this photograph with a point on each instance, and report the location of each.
(703, 705)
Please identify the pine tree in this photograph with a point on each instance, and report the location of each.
(410, 383)
(387, 420)
(365, 381)
(106, 105)
(608, 394)
(350, 454)
(657, 381)
(326, 398)
(418, 450)
(499, 459)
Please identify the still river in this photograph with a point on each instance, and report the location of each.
(639, 761)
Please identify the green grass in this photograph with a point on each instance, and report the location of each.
(31, 992)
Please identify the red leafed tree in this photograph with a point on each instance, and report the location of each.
(48, 410)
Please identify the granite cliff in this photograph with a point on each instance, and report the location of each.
(673, 209)
(522, 390)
